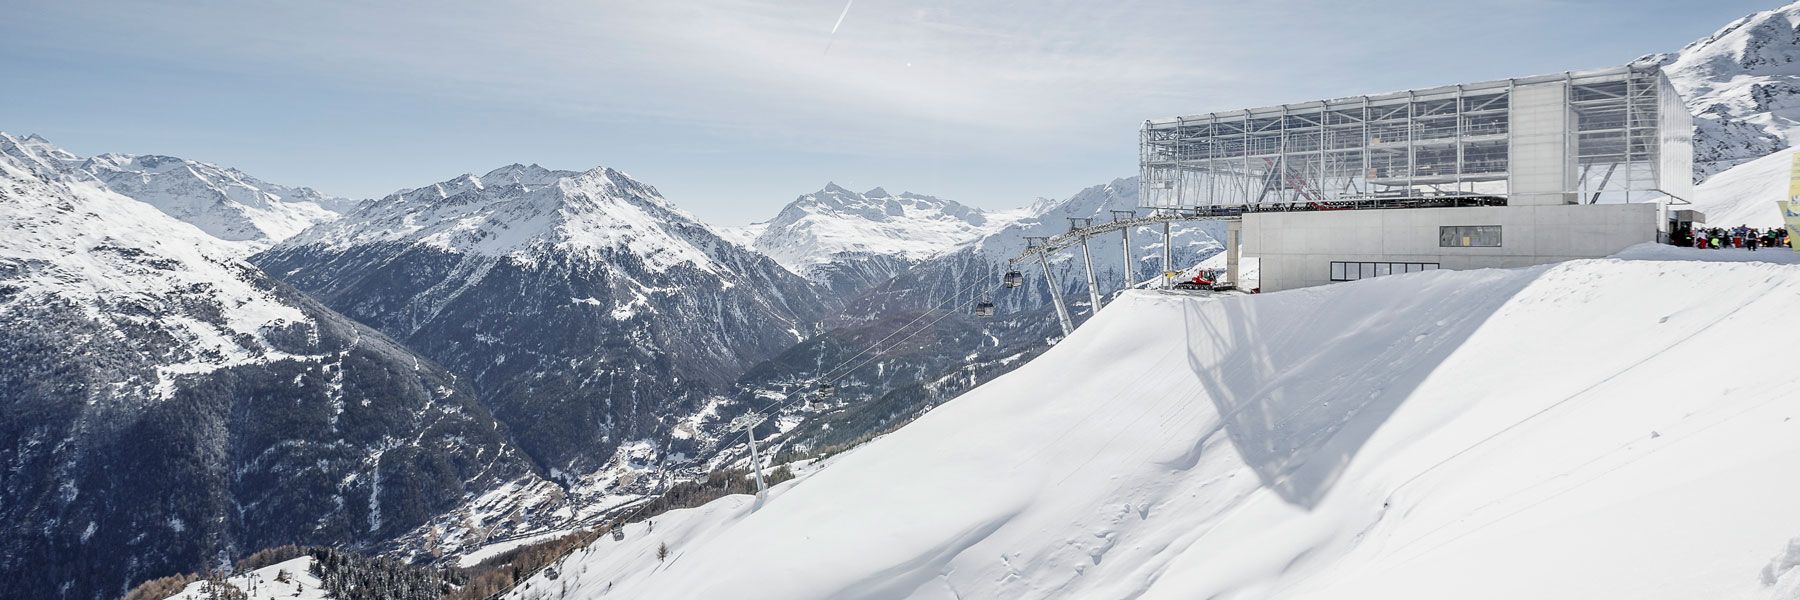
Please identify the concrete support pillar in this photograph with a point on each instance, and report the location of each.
(1233, 231)
(1168, 255)
(756, 467)
(1062, 310)
(1130, 273)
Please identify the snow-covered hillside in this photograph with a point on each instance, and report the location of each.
(852, 240)
(1598, 428)
(64, 249)
(223, 202)
(1746, 194)
(287, 580)
(1743, 85)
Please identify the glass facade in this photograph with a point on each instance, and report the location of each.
(1469, 236)
(1630, 137)
(1352, 271)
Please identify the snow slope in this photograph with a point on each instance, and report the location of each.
(261, 584)
(1746, 194)
(1596, 428)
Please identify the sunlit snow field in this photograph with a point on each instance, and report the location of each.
(1615, 428)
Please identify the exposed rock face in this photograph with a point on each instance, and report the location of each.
(1743, 85)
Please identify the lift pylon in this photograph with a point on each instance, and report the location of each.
(747, 423)
(1126, 272)
(1062, 310)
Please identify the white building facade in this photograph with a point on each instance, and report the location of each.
(1493, 174)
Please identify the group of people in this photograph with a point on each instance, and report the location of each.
(1742, 236)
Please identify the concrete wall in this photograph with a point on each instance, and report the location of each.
(1541, 152)
(1296, 249)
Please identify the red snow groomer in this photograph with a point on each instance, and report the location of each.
(1205, 280)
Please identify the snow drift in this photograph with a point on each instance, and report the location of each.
(1600, 428)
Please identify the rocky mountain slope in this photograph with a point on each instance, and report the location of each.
(168, 407)
(1743, 85)
(589, 313)
(850, 241)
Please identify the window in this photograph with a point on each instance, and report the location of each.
(1352, 271)
(1469, 236)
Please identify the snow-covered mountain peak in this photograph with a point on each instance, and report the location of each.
(1743, 85)
(36, 154)
(817, 231)
(226, 203)
(530, 175)
(522, 211)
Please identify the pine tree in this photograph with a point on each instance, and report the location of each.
(662, 551)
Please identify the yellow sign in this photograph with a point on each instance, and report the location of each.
(1794, 179)
(1790, 215)
(1790, 210)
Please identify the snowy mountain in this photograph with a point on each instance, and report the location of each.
(225, 203)
(1419, 436)
(851, 240)
(591, 314)
(1743, 85)
(169, 406)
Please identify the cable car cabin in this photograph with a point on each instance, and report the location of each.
(1014, 279)
(984, 309)
(826, 391)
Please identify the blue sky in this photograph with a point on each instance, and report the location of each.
(734, 107)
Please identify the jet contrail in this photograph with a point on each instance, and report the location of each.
(839, 23)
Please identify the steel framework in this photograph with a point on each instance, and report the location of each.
(1631, 140)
